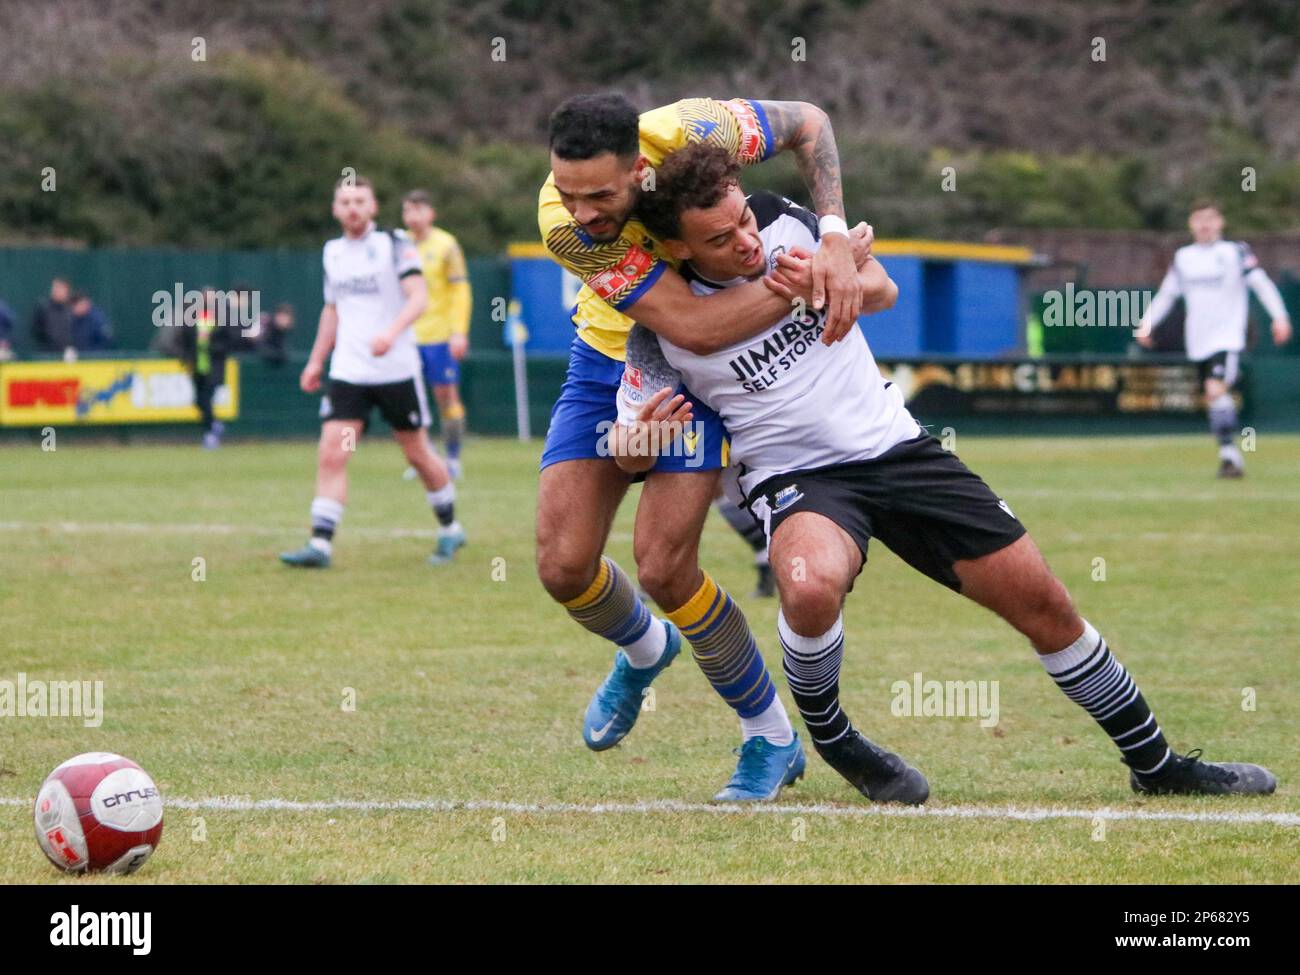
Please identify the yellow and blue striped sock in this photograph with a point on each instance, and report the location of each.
(452, 422)
(611, 608)
(725, 649)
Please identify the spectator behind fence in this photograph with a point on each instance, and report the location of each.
(52, 321)
(7, 326)
(90, 328)
(275, 335)
(240, 312)
(204, 348)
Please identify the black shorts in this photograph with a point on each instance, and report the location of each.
(924, 505)
(402, 404)
(1223, 366)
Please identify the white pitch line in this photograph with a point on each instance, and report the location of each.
(1032, 814)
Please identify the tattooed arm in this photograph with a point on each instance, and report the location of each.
(805, 130)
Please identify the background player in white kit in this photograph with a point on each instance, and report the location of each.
(374, 291)
(1211, 276)
(829, 456)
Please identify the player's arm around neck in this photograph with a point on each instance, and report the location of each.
(703, 324)
(879, 292)
(805, 130)
(792, 280)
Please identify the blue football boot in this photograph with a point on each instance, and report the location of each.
(764, 770)
(617, 702)
(307, 557)
(449, 541)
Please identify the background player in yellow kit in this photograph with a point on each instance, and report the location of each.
(442, 332)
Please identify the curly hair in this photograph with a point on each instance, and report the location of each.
(693, 178)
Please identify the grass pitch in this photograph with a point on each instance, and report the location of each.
(470, 684)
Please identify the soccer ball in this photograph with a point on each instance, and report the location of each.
(98, 811)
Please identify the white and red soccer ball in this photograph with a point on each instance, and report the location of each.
(99, 812)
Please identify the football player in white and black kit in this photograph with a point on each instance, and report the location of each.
(829, 456)
(374, 291)
(1212, 276)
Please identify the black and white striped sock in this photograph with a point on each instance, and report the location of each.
(812, 669)
(1092, 678)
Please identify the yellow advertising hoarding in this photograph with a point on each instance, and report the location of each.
(107, 391)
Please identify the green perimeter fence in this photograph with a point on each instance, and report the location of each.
(122, 283)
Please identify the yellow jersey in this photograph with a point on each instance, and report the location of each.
(617, 273)
(447, 279)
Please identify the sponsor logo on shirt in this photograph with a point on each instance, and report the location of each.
(1205, 277)
(361, 284)
(751, 134)
(762, 364)
(616, 280)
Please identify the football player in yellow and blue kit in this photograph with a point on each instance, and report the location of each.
(602, 159)
(442, 332)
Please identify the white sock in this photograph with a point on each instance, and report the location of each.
(646, 651)
(773, 724)
(326, 513)
(442, 497)
(1073, 655)
(1230, 451)
(326, 510)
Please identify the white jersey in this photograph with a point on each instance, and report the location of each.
(1212, 279)
(363, 280)
(789, 402)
